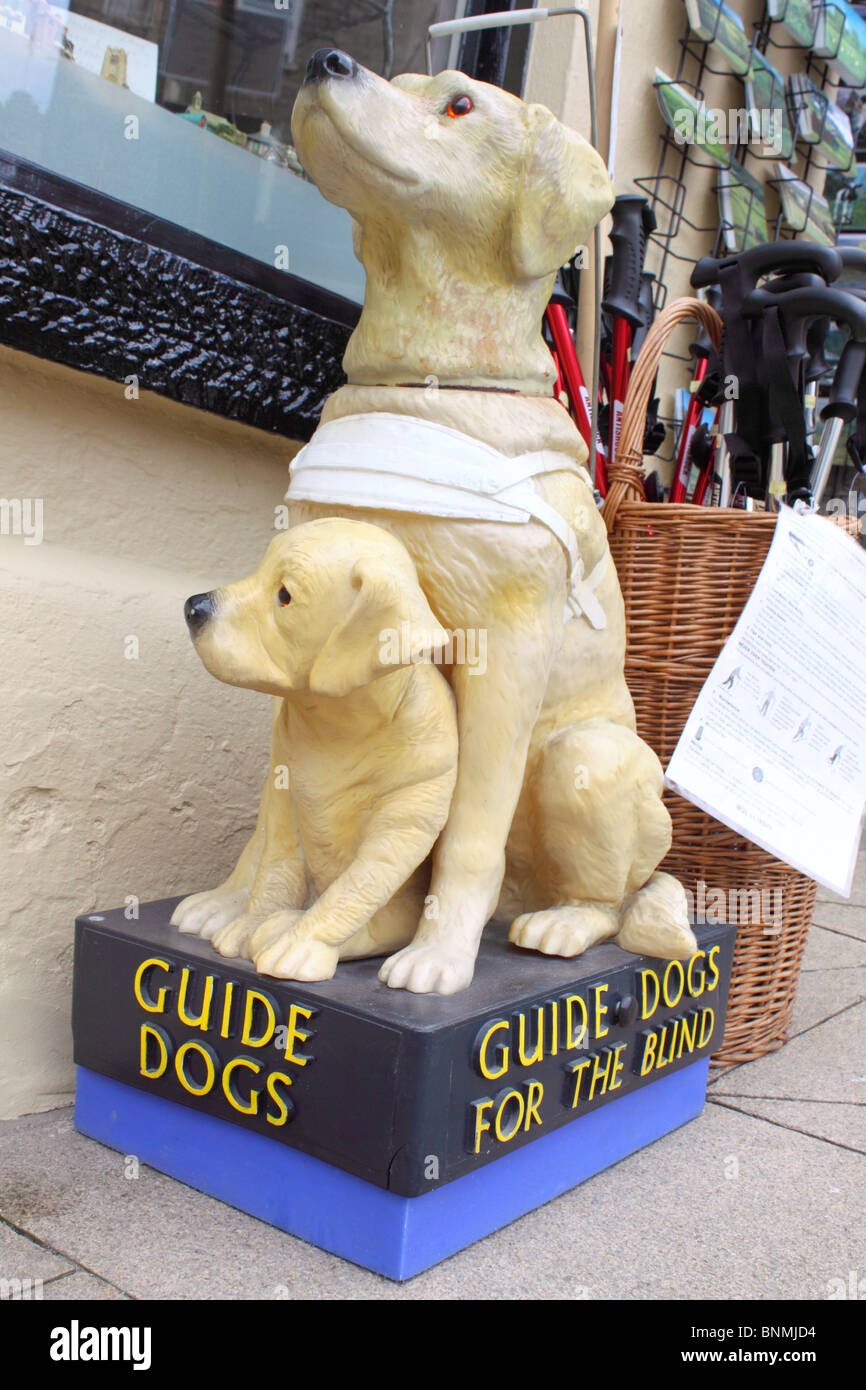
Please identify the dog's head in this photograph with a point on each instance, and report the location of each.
(319, 614)
(463, 155)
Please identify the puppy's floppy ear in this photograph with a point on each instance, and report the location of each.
(562, 191)
(388, 625)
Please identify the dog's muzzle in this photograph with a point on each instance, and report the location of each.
(330, 62)
(197, 610)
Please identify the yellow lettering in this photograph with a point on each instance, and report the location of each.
(708, 1022)
(254, 997)
(296, 1034)
(690, 985)
(528, 1061)
(153, 1006)
(482, 1063)
(648, 1060)
(163, 1042)
(577, 1070)
(554, 1028)
(600, 1010)
(688, 1032)
(481, 1125)
(574, 1000)
(616, 1073)
(674, 1032)
(285, 1106)
(227, 1009)
(712, 962)
(503, 1134)
(228, 1090)
(597, 1075)
(203, 1020)
(647, 1009)
(678, 966)
(533, 1099)
(210, 1065)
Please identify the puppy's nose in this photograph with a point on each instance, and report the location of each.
(330, 62)
(197, 610)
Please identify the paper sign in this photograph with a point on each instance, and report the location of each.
(775, 746)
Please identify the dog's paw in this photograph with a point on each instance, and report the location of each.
(564, 931)
(655, 921)
(202, 914)
(428, 969)
(291, 958)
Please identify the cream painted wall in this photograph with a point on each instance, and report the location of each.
(122, 776)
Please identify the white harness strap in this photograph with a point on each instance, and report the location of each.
(401, 463)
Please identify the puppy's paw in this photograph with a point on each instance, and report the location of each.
(294, 959)
(202, 914)
(564, 931)
(276, 927)
(234, 938)
(428, 969)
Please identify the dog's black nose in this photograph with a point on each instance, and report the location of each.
(330, 62)
(197, 610)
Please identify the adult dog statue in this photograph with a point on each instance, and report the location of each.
(465, 201)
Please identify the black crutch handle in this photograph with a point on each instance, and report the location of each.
(785, 257)
(842, 404)
(633, 220)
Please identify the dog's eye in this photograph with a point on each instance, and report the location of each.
(459, 106)
(283, 596)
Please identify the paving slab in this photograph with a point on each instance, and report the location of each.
(824, 993)
(825, 1063)
(832, 950)
(80, 1286)
(22, 1258)
(730, 1206)
(839, 1124)
(847, 919)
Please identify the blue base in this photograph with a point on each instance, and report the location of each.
(392, 1235)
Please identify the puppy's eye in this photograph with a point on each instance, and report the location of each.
(459, 106)
(283, 596)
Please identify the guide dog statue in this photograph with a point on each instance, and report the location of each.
(465, 202)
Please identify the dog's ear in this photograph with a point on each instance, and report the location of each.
(562, 191)
(389, 624)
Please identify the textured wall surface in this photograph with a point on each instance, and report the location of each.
(123, 775)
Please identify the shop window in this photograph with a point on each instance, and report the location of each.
(182, 108)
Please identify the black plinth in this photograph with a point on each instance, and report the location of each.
(408, 1092)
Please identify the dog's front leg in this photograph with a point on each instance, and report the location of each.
(203, 914)
(399, 837)
(280, 882)
(496, 713)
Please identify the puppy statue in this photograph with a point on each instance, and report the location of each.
(466, 201)
(363, 751)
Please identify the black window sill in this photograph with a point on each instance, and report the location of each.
(95, 284)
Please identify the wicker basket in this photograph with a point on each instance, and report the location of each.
(686, 573)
